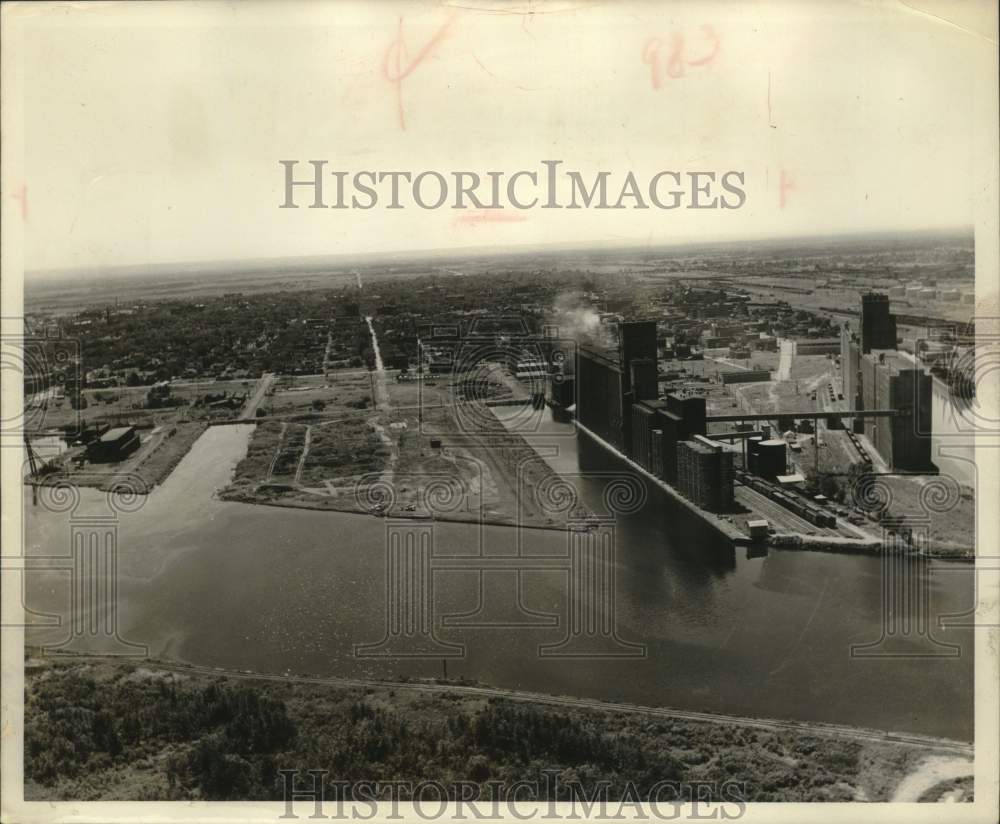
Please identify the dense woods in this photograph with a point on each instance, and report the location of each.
(128, 731)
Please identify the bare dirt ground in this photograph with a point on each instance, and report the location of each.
(419, 452)
(933, 771)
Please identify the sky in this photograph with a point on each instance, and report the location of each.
(152, 133)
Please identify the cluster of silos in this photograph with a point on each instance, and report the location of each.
(767, 458)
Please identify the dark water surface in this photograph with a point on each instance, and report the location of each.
(275, 590)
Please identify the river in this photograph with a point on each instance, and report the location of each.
(275, 590)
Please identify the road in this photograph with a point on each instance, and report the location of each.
(277, 451)
(835, 730)
(305, 454)
(785, 361)
(265, 383)
(381, 392)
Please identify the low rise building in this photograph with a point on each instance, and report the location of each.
(114, 445)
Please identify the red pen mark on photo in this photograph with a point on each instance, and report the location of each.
(21, 195)
(786, 184)
(489, 216)
(393, 68)
(708, 33)
(672, 64)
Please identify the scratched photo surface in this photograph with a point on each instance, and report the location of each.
(511, 409)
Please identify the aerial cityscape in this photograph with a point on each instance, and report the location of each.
(533, 410)
(626, 514)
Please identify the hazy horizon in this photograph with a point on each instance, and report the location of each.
(236, 265)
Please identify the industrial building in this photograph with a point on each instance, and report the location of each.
(767, 458)
(705, 473)
(600, 395)
(850, 367)
(745, 376)
(637, 341)
(644, 379)
(878, 325)
(646, 421)
(604, 382)
(562, 389)
(114, 445)
(822, 346)
(675, 418)
(618, 400)
(891, 380)
(878, 331)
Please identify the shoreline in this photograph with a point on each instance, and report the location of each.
(280, 503)
(784, 541)
(475, 688)
(858, 546)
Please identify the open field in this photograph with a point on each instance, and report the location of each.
(779, 398)
(949, 522)
(347, 392)
(424, 453)
(100, 729)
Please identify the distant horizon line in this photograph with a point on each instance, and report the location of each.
(242, 264)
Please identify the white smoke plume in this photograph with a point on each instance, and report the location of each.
(578, 320)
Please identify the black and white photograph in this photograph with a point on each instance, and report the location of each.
(500, 410)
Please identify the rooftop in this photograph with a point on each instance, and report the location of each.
(116, 433)
(894, 360)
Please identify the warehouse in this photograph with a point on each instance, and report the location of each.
(114, 445)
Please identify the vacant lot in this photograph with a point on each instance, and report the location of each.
(347, 392)
(786, 397)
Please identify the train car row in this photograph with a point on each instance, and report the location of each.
(866, 459)
(806, 510)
